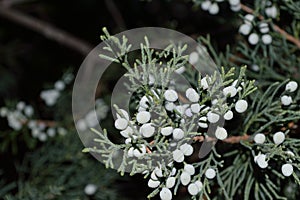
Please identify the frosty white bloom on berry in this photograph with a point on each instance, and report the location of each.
(158, 172)
(195, 108)
(287, 169)
(271, 11)
(21, 105)
(259, 138)
(190, 169)
(42, 137)
(186, 149)
(192, 95)
(255, 67)
(28, 110)
(144, 102)
(121, 124)
(178, 156)
(185, 178)
(170, 182)
(181, 109)
(290, 153)
(245, 29)
(236, 8)
(286, 100)
(151, 79)
(3, 112)
(212, 117)
(170, 95)
(188, 112)
(35, 132)
(202, 122)
(62, 131)
(178, 134)
(50, 96)
(143, 117)
(130, 152)
(90, 189)
(248, 18)
(263, 27)
(253, 38)
(228, 115)
(205, 5)
(221, 133)
(165, 194)
(241, 106)
(128, 141)
(147, 130)
(51, 132)
(214, 101)
(140, 151)
(170, 106)
(234, 2)
(210, 173)
(124, 115)
(173, 172)
(266, 39)
(180, 70)
(261, 161)
(291, 86)
(166, 131)
(194, 57)
(213, 9)
(14, 120)
(91, 119)
(153, 183)
(128, 131)
(193, 189)
(204, 83)
(230, 90)
(278, 137)
(153, 176)
(59, 85)
(199, 185)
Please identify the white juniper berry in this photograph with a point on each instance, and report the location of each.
(241, 106)
(90, 189)
(271, 10)
(286, 100)
(248, 28)
(261, 161)
(287, 169)
(259, 138)
(210, 6)
(165, 194)
(291, 86)
(210, 173)
(278, 137)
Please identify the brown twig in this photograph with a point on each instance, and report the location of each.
(276, 28)
(200, 138)
(236, 139)
(230, 140)
(48, 123)
(46, 29)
